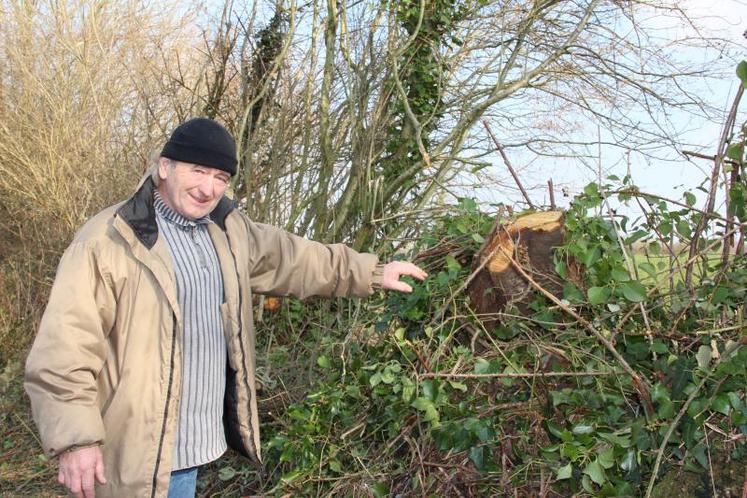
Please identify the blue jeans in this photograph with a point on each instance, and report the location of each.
(183, 483)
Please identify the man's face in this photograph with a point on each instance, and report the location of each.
(190, 189)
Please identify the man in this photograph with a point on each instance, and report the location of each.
(143, 367)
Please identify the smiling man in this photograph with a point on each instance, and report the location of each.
(143, 367)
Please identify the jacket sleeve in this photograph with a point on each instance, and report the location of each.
(285, 264)
(69, 352)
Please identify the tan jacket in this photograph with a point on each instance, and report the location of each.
(106, 364)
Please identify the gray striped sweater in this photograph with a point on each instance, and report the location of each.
(200, 438)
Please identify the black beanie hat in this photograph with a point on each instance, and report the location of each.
(202, 141)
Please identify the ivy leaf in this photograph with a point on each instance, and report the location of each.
(703, 356)
(375, 379)
(595, 472)
(606, 458)
(721, 404)
(426, 405)
(634, 291)
(226, 473)
(477, 455)
(597, 295)
(628, 462)
(430, 389)
(564, 472)
(380, 490)
(482, 366)
(583, 429)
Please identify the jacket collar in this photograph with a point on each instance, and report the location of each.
(140, 214)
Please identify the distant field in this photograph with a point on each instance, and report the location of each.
(657, 268)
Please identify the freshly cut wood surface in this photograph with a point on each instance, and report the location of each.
(529, 240)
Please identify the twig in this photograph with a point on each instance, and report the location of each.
(508, 164)
(706, 156)
(711, 200)
(518, 375)
(551, 190)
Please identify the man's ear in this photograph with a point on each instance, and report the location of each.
(163, 167)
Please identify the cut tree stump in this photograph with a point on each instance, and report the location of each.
(530, 240)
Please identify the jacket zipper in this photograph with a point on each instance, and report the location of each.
(166, 407)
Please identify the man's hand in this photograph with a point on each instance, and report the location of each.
(79, 467)
(396, 269)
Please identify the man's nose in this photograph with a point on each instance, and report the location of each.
(207, 186)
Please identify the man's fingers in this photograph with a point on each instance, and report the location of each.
(100, 477)
(87, 484)
(73, 484)
(400, 286)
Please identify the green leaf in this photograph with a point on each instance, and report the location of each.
(482, 366)
(689, 199)
(572, 293)
(592, 256)
(658, 346)
(597, 295)
(478, 238)
(375, 379)
(459, 386)
(720, 295)
(595, 471)
(684, 228)
(628, 462)
(452, 264)
(742, 72)
(703, 356)
(290, 476)
(323, 362)
(634, 291)
(583, 429)
(621, 441)
(399, 334)
(607, 458)
(564, 472)
(477, 455)
(426, 405)
(430, 389)
(226, 473)
(735, 151)
(721, 404)
(648, 268)
(380, 490)
(620, 275)
(335, 466)
(666, 409)
(591, 190)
